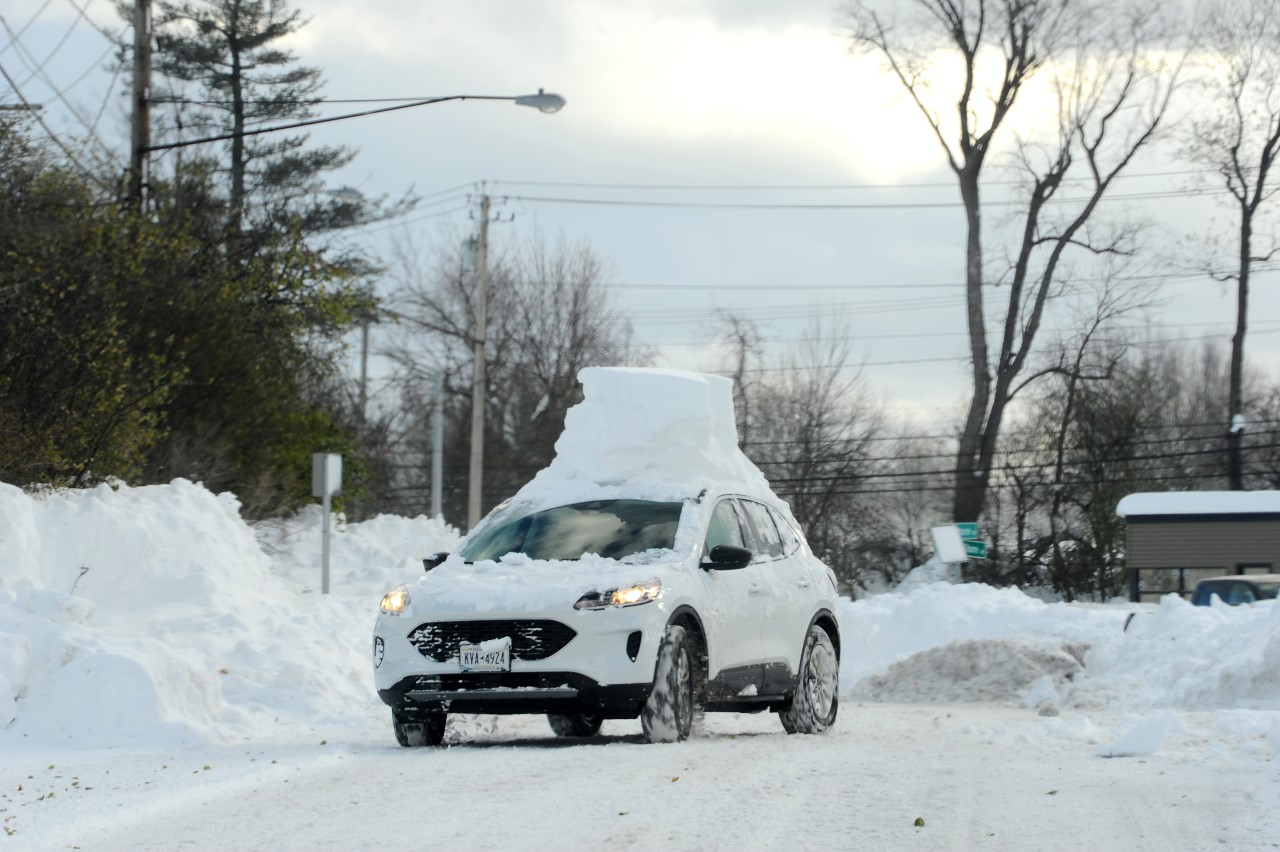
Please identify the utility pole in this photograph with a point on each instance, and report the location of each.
(141, 137)
(478, 390)
(437, 451)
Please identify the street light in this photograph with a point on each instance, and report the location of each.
(547, 102)
(543, 101)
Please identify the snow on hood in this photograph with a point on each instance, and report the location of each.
(517, 583)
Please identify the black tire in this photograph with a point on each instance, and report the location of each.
(417, 731)
(667, 716)
(575, 724)
(817, 698)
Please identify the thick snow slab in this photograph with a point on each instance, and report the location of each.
(640, 426)
(1199, 503)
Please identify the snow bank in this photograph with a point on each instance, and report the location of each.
(940, 642)
(153, 612)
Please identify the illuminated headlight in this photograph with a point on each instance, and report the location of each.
(640, 593)
(395, 602)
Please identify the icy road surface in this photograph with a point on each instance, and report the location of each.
(975, 776)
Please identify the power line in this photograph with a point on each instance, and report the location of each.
(808, 187)
(827, 207)
(37, 70)
(1137, 344)
(1188, 276)
(52, 136)
(113, 37)
(34, 17)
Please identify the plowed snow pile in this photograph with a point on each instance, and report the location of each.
(987, 670)
(940, 642)
(154, 613)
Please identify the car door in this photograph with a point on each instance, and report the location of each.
(785, 588)
(733, 610)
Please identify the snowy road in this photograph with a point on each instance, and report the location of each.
(979, 777)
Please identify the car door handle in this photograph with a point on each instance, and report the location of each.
(804, 584)
(756, 590)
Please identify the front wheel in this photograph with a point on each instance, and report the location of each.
(575, 724)
(416, 731)
(813, 707)
(667, 716)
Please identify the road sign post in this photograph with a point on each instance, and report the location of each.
(326, 480)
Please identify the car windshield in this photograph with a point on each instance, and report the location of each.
(612, 528)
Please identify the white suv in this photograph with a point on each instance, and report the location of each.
(634, 599)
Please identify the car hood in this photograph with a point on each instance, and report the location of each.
(517, 583)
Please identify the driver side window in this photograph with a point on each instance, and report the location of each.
(724, 527)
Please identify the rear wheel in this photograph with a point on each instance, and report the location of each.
(415, 731)
(668, 713)
(813, 707)
(575, 724)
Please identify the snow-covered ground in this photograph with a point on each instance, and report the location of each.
(171, 677)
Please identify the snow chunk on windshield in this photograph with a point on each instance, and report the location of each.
(639, 426)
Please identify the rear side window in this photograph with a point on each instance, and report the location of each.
(790, 535)
(767, 541)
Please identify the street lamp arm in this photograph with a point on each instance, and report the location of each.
(544, 102)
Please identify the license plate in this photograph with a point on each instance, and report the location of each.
(491, 656)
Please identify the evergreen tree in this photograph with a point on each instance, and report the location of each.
(225, 54)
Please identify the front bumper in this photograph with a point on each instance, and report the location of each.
(562, 661)
(514, 692)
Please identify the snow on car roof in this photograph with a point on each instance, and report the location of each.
(1199, 503)
(647, 432)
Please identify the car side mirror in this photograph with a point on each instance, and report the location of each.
(433, 560)
(726, 557)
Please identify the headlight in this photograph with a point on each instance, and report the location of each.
(640, 593)
(395, 602)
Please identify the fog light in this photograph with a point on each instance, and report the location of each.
(633, 645)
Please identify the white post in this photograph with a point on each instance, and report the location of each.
(324, 548)
(326, 480)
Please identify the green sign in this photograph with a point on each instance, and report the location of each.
(968, 530)
(975, 549)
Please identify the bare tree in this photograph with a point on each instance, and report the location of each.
(549, 315)
(1239, 137)
(1111, 92)
(743, 338)
(812, 424)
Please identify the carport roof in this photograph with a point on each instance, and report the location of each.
(1199, 503)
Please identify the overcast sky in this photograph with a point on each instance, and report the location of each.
(720, 111)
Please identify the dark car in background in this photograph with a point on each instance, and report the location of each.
(1237, 589)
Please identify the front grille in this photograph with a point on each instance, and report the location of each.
(530, 640)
